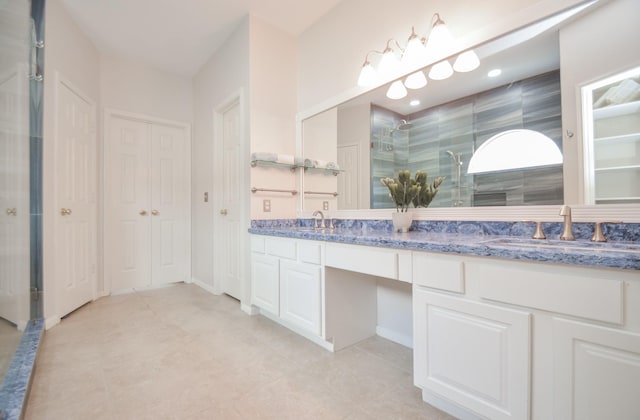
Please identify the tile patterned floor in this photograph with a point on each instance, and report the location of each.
(182, 353)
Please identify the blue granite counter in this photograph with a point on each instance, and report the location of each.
(486, 239)
(15, 388)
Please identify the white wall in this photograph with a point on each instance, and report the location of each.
(69, 52)
(273, 112)
(224, 75)
(617, 24)
(129, 86)
(331, 52)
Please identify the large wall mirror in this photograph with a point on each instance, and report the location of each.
(440, 127)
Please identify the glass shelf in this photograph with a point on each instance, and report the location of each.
(272, 164)
(313, 169)
(292, 168)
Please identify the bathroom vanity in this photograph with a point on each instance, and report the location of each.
(500, 328)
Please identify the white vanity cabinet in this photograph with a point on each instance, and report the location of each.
(287, 282)
(506, 339)
(596, 372)
(473, 356)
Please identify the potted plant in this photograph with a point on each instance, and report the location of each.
(405, 191)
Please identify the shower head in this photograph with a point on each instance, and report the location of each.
(455, 157)
(404, 125)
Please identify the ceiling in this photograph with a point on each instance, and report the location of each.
(180, 36)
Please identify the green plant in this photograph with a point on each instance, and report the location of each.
(427, 191)
(405, 190)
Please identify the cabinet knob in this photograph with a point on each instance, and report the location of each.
(155, 212)
(143, 212)
(65, 212)
(12, 211)
(223, 212)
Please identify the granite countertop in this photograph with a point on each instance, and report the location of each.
(620, 255)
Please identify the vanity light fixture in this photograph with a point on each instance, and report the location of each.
(389, 63)
(415, 102)
(416, 80)
(439, 44)
(396, 90)
(466, 62)
(494, 73)
(414, 50)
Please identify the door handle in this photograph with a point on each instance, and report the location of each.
(65, 212)
(155, 212)
(223, 212)
(143, 212)
(12, 212)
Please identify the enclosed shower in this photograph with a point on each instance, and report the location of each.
(21, 83)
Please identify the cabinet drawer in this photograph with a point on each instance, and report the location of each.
(438, 271)
(257, 244)
(310, 252)
(285, 248)
(585, 293)
(363, 259)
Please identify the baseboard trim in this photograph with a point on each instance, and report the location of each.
(395, 336)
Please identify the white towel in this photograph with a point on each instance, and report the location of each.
(269, 157)
(308, 163)
(273, 157)
(320, 163)
(333, 165)
(286, 159)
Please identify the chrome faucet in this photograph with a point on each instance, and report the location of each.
(567, 230)
(315, 221)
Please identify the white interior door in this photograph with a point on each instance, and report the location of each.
(169, 205)
(75, 196)
(14, 203)
(228, 242)
(147, 208)
(127, 205)
(348, 160)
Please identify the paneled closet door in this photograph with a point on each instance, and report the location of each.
(128, 204)
(147, 206)
(169, 205)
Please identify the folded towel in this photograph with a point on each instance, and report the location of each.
(273, 157)
(270, 157)
(320, 163)
(308, 163)
(333, 165)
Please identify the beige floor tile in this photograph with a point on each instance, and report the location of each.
(181, 353)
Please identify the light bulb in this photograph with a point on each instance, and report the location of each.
(413, 51)
(440, 71)
(467, 61)
(396, 90)
(389, 63)
(440, 39)
(368, 76)
(416, 80)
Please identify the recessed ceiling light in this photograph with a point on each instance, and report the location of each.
(494, 73)
(415, 102)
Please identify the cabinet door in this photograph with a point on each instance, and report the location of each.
(473, 354)
(596, 372)
(265, 290)
(300, 295)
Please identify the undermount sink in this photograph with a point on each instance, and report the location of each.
(566, 245)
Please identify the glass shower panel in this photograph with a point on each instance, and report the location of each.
(15, 56)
